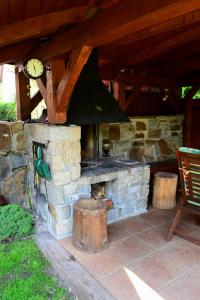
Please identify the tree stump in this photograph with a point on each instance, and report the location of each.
(164, 190)
(90, 225)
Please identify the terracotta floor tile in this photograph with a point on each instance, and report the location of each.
(134, 225)
(157, 269)
(119, 284)
(187, 287)
(188, 218)
(166, 295)
(101, 263)
(156, 217)
(183, 253)
(130, 248)
(156, 236)
(67, 244)
(115, 233)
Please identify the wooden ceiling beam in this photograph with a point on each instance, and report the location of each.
(41, 25)
(74, 67)
(124, 18)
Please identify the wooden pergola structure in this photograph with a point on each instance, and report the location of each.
(140, 42)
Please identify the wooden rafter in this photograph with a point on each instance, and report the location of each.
(41, 25)
(75, 64)
(124, 18)
(134, 93)
(155, 51)
(35, 100)
(42, 89)
(22, 96)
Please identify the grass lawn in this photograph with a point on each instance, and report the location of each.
(24, 274)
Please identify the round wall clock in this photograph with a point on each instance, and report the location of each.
(34, 68)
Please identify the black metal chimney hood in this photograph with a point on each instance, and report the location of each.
(91, 102)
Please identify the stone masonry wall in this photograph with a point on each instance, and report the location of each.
(145, 139)
(63, 155)
(13, 169)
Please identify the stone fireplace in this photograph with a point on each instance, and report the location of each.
(125, 182)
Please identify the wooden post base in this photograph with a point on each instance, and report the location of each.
(90, 225)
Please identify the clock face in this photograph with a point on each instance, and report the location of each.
(34, 68)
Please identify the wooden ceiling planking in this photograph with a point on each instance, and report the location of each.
(63, 4)
(47, 6)
(3, 12)
(32, 8)
(16, 10)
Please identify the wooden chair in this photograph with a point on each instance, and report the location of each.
(189, 169)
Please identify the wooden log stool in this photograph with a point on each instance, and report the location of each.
(90, 225)
(164, 190)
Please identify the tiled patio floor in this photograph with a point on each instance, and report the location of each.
(139, 264)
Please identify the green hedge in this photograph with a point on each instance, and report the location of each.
(8, 111)
(15, 222)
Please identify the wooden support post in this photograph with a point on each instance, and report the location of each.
(61, 82)
(188, 116)
(54, 75)
(74, 67)
(22, 96)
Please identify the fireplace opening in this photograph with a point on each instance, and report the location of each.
(89, 142)
(99, 191)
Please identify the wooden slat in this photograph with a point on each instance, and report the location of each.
(16, 10)
(75, 64)
(3, 11)
(32, 8)
(120, 20)
(22, 96)
(40, 25)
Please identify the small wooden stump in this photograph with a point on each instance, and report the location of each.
(164, 190)
(90, 225)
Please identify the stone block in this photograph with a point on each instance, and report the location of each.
(140, 126)
(56, 148)
(114, 132)
(137, 153)
(55, 194)
(72, 153)
(16, 126)
(18, 143)
(165, 148)
(17, 161)
(15, 186)
(154, 133)
(84, 189)
(84, 180)
(5, 167)
(126, 132)
(75, 171)
(61, 212)
(112, 215)
(71, 198)
(70, 188)
(60, 229)
(175, 127)
(5, 138)
(57, 163)
(139, 135)
(61, 178)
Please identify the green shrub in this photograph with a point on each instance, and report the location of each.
(8, 111)
(14, 222)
